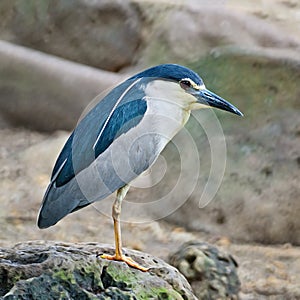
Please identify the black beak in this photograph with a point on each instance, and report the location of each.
(207, 97)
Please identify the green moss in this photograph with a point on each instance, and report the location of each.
(159, 293)
(90, 268)
(128, 276)
(15, 278)
(64, 275)
(134, 280)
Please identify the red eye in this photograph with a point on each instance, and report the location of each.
(185, 84)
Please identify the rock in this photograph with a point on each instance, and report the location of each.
(217, 25)
(44, 92)
(102, 33)
(211, 273)
(52, 270)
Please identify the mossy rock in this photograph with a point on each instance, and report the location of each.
(49, 270)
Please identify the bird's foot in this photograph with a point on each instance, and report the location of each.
(128, 260)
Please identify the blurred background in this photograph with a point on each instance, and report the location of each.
(57, 55)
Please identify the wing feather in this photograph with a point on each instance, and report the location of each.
(87, 141)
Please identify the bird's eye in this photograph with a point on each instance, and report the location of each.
(185, 84)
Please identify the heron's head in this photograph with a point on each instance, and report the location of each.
(182, 85)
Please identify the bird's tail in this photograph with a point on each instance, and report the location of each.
(57, 203)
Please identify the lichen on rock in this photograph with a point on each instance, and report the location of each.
(52, 270)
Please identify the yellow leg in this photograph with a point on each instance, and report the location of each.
(116, 212)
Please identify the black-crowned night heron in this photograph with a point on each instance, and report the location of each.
(120, 138)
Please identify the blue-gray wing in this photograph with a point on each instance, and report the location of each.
(107, 120)
(101, 155)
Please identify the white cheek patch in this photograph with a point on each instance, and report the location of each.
(170, 92)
